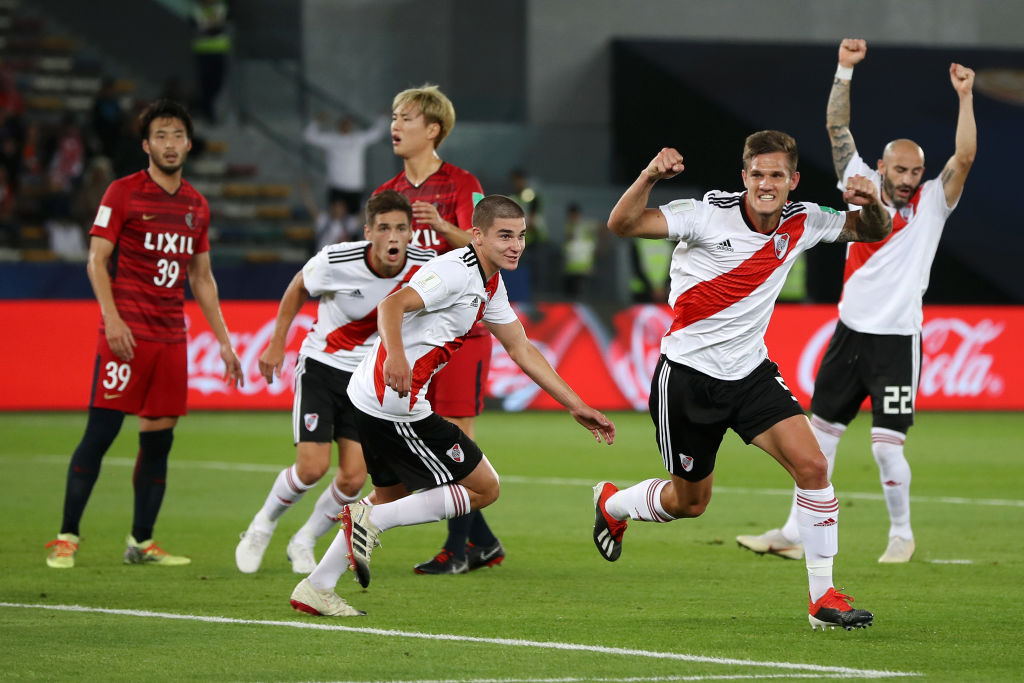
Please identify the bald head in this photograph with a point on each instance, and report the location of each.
(902, 168)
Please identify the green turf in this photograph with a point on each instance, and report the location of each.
(680, 592)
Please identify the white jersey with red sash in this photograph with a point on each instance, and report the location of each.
(883, 282)
(455, 296)
(725, 277)
(349, 291)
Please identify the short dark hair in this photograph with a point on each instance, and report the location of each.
(164, 109)
(388, 200)
(768, 141)
(492, 207)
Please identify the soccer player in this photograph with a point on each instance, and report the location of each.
(150, 231)
(350, 279)
(733, 253)
(876, 349)
(407, 446)
(442, 197)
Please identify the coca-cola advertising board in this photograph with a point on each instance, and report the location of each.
(969, 359)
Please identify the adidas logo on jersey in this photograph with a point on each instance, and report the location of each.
(356, 294)
(723, 246)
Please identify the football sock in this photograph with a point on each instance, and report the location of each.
(444, 502)
(325, 512)
(818, 519)
(332, 565)
(480, 533)
(458, 533)
(150, 480)
(101, 429)
(287, 490)
(641, 501)
(828, 435)
(894, 472)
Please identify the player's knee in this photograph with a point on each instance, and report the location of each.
(350, 483)
(811, 473)
(688, 502)
(311, 470)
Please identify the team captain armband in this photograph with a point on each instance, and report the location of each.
(680, 205)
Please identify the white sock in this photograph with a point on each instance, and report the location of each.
(641, 501)
(443, 502)
(828, 435)
(325, 513)
(287, 490)
(818, 519)
(332, 565)
(894, 473)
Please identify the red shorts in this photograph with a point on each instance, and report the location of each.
(152, 384)
(458, 389)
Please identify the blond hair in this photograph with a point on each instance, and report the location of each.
(433, 104)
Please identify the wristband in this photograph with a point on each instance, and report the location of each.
(844, 72)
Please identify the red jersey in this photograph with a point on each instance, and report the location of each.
(155, 235)
(451, 190)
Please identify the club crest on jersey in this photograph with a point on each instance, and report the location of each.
(781, 245)
(455, 453)
(311, 420)
(687, 462)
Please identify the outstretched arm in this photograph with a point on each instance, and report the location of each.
(955, 172)
(837, 114)
(630, 217)
(872, 223)
(513, 337)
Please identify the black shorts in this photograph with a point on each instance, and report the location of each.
(691, 412)
(322, 411)
(422, 455)
(856, 365)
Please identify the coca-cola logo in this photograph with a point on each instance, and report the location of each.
(634, 352)
(206, 368)
(954, 362)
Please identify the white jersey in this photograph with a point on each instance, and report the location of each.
(725, 277)
(883, 282)
(349, 291)
(455, 296)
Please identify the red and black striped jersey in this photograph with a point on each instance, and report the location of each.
(450, 189)
(155, 236)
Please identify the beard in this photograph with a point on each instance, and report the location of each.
(169, 169)
(890, 188)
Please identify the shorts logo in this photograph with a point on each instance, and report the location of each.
(687, 462)
(781, 245)
(311, 420)
(455, 453)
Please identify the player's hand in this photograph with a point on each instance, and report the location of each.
(668, 164)
(271, 362)
(962, 79)
(425, 212)
(120, 338)
(860, 191)
(232, 366)
(600, 426)
(397, 375)
(852, 51)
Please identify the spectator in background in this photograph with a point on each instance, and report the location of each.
(10, 99)
(8, 226)
(129, 156)
(65, 167)
(107, 117)
(11, 142)
(650, 260)
(537, 265)
(345, 153)
(30, 163)
(335, 224)
(211, 46)
(581, 242)
(99, 173)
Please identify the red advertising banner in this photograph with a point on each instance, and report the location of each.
(969, 355)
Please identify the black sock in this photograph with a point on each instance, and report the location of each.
(458, 532)
(150, 480)
(479, 533)
(100, 431)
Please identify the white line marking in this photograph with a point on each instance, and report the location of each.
(512, 642)
(951, 561)
(515, 479)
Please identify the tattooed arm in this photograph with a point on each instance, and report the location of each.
(837, 114)
(955, 172)
(872, 223)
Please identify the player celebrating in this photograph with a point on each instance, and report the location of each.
(733, 253)
(350, 278)
(150, 230)
(407, 446)
(876, 348)
(442, 197)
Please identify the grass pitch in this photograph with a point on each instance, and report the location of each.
(683, 602)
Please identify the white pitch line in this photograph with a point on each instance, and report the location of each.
(509, 642)
(516, 479)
